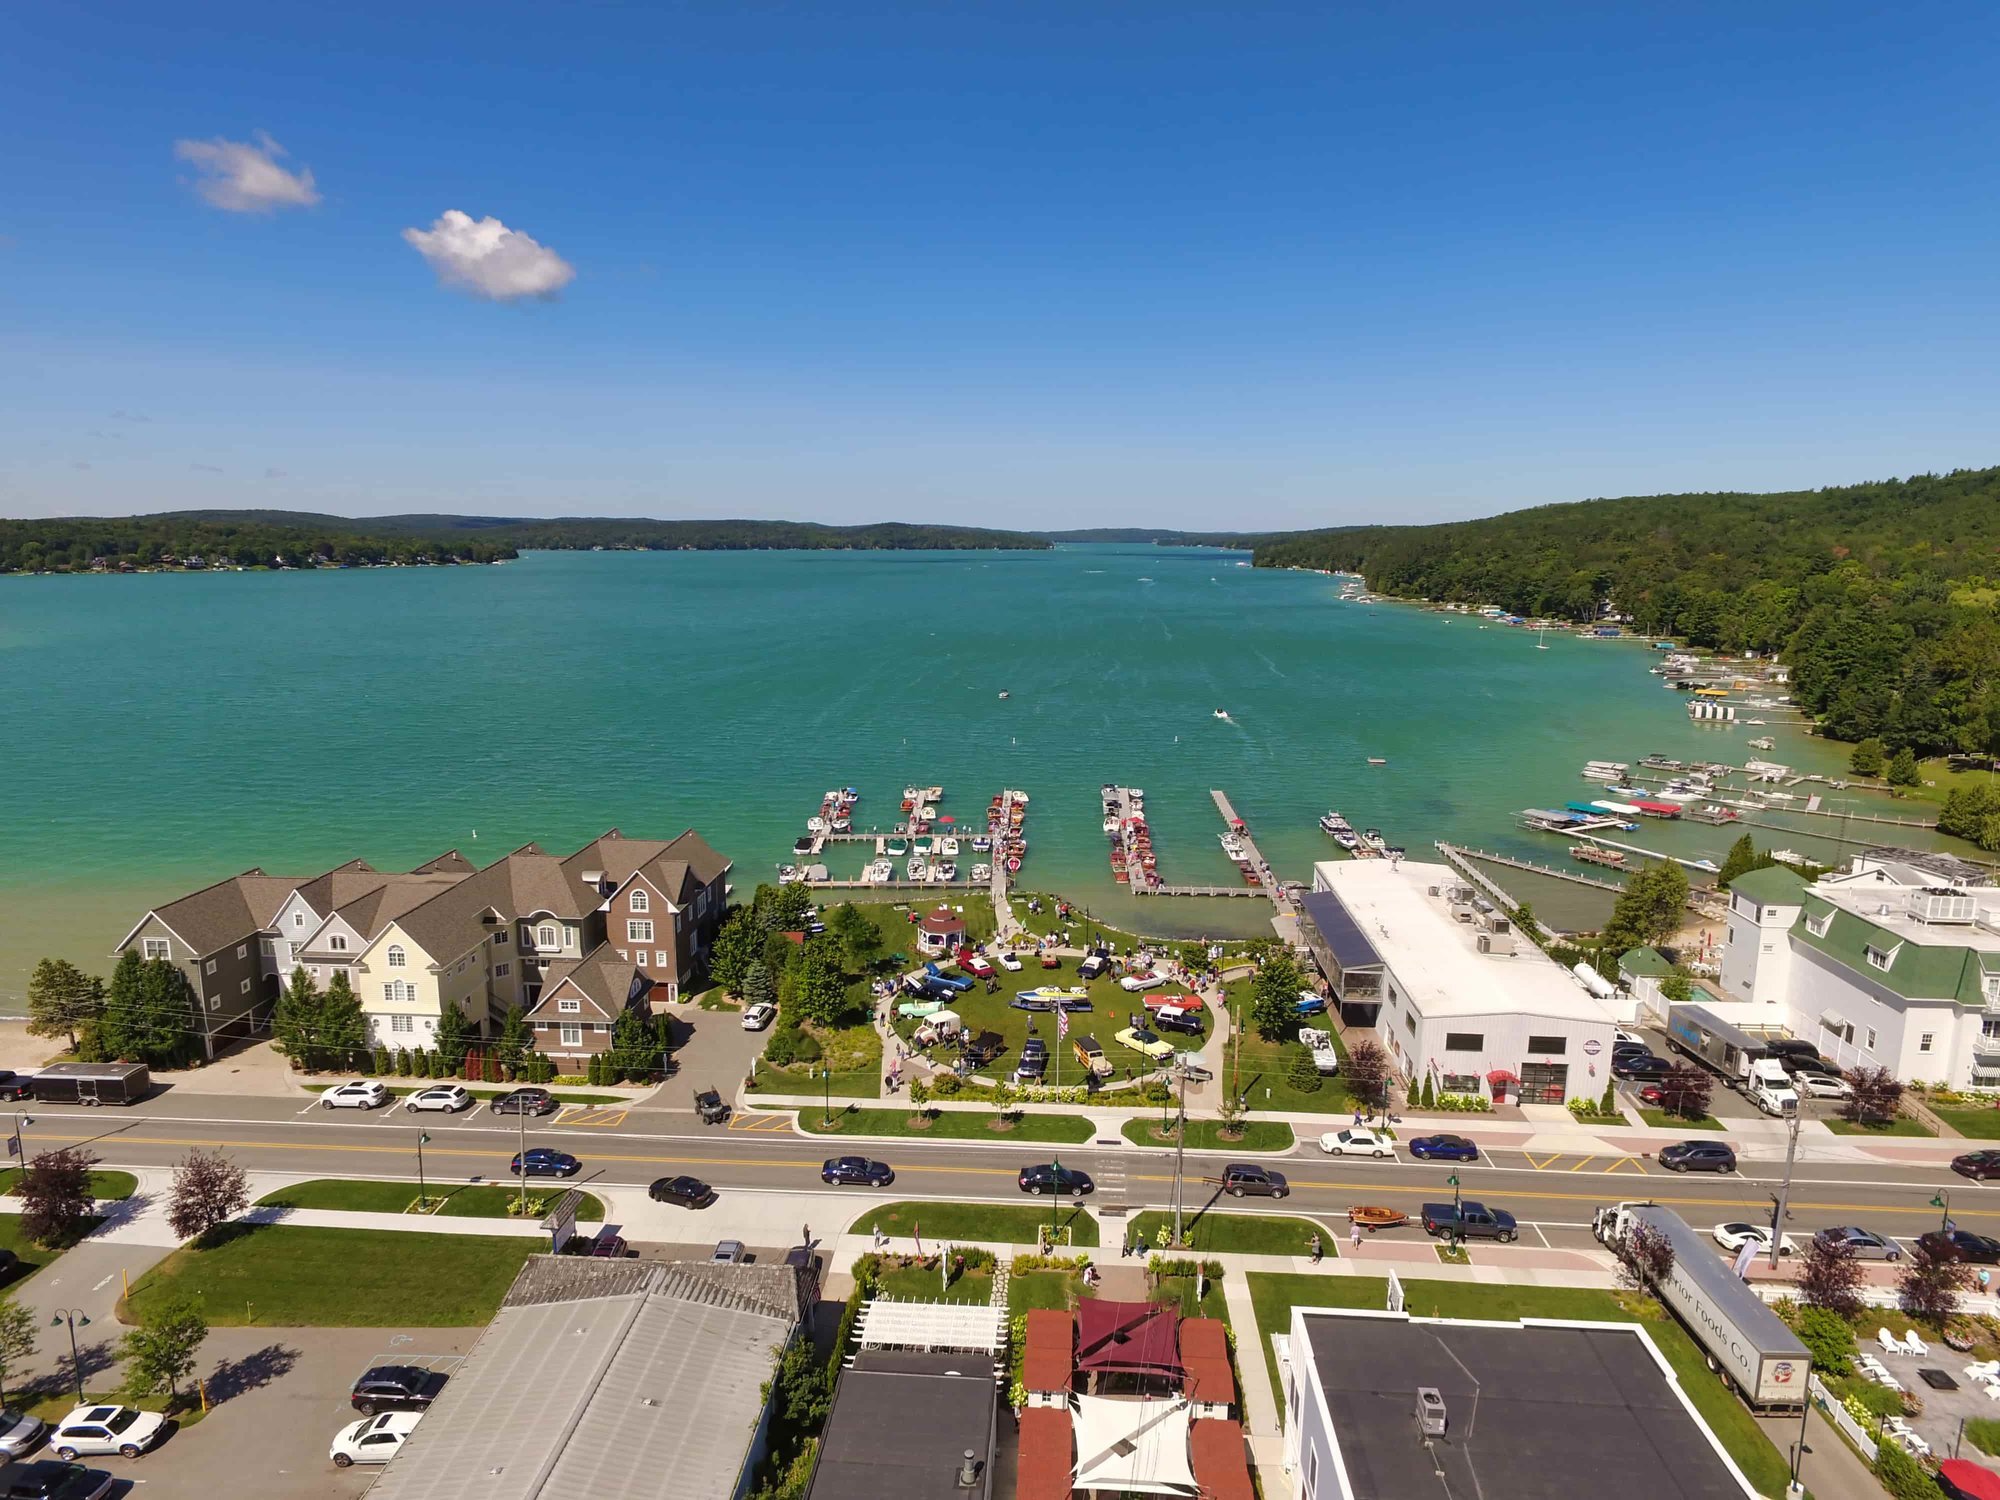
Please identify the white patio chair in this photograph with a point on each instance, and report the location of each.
(1986, 1369)
(1889, 1342)
(1914, 1345)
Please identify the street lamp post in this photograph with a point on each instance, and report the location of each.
(1799, 1449)
(826, 1097)
(1942, 1202)
(521, 1157)
(1180, 1159)
(423, 1196)
(1779, 1206)
(75, 1317)
(21, 1123)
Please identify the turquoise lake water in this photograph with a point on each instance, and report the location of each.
(164, 731)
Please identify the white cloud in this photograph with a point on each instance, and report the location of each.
(245, 177)
(274, 473)
(487, 259)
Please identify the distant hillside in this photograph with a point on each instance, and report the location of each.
(254, 538)
(1241, 539)
(1881, 595)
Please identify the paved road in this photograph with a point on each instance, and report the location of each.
(1556, 1192)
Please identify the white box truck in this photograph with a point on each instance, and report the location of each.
(1762, 1357)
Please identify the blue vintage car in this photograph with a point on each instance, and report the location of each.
(1443, 1148)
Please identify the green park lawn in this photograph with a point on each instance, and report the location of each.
(1274, 1295)
(953, 1124)
(1181, 1290)
(1664, 1121)
(1976, 1124)
(1236, 1234)
(915, 1284)
(1037, 1289)
(105, 1187)
(1207, 1135)
(461, 1201)
(993, 1223)
(299, 1277)
(1900, 1125)
(1984, 1434)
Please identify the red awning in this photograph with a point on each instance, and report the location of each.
(1135, 1337)
(1205, 1354)
(1047, 1454)
(1220, 1465)
(1971, 1480)
(1501, 1075)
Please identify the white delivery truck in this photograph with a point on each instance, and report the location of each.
(1762, 1357)
(1769, 1087)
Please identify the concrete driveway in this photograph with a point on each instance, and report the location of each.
(712, 1051)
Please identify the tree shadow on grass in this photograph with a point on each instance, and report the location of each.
(251, 1372)
(227, 1234)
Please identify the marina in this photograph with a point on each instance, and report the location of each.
(1459, 858)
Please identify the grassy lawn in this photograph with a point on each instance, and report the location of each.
(462, 1201)
(915, 1284)
(29, 1257)
(1984, 1434)
(1180, 1290)
(853, 1077)
(298, 1277)
(1901, 1125)
(1034, 1289)
(104, 1186)
(1240, 1234)
(997, 1223)
(1264, 1073)
(1977, 1124)
(1206, 1135)
(401, 1087)
(949, 1124)
(1274, 1296)
(1664, 1121)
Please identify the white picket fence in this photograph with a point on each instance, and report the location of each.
(1839, 1415)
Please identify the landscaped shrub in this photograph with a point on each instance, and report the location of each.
(1303, 1074)
(1464, 1104)
(1829, 1336)
(947, 1085)
(1902, 1476)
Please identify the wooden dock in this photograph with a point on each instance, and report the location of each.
(1456, 855)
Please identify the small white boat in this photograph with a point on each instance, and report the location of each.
(815, 824)
(1378, 760)
(944, 871)
(1005, 694)
(1222, 713)
(982, 873)
(981, 845)
(921, 848)
(918, 868)
(948, 848)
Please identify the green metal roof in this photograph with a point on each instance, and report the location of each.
(1644, 963)
(1774, 885)
(1916, 971)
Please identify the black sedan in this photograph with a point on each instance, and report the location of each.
(50, 1480)
(1443, 1148)
(1961, 1244)
(688, 1192)
(855, 1171)
(1698, 1156)
(1978, 1165)
(525, 1102)
(1052, 1178)
(544, 1161)
(1640, 1065)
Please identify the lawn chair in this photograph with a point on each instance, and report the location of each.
(1984, 1370)
(1889, 1342)
(1914, 1345)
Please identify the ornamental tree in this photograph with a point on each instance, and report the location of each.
(56, 1200)
(1830, 1277)
(1930, 1286)
(208, 1191)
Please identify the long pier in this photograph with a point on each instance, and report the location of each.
(1455, 853)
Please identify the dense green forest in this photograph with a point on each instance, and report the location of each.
(1882, 596)
(1159, 538)
(303, 539)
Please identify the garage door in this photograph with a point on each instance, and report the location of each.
(1544, 1083)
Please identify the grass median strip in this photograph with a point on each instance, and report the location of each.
(1274, 1295)
(1209, 1135)
(949, 1125)
(105, 1187)
(461, 1200)
(997, 1223)
(1901, 1125)
(1237, 1234)
(295, 1276)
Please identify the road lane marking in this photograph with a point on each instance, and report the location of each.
(1628, 1163)
(760, 1124)
(1586, 1161)
(1543, 1164)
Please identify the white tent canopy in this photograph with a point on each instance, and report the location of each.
(1133, 1445)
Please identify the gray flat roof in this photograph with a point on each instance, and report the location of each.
(901, 1424)
(1530, 1412)
(1343, 935)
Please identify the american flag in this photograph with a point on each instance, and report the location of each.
(1062, 1023)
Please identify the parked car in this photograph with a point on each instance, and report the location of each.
(688, 1192)
(1978, 1165)
(757, 1017)
(607, 1244)
(373, 1440)
(124, 1430)
(19, 1432)
(1034, 1059)
(1241, 1180)
(1053, 1178)
(1629, 1048)
(50, 1480)
(1619, 1034)
(444, 1096)
(525, 1102)
(728, 1253)
(1145, 981)
(1008, 962)
(859, 1171)
(1144, 1041)
(1091, 1056)
(1356, 1141)
(1094, 965)
(1698, 1156)
(1865, 1243)
(1640, 1065)
(1172, 1018)
(1961, 1244)
(1737, 1233)
(973, 963)
(396, 1388)
(16, 1086)
(544, 1161)
(1819, 1086)
(709, 1107)
(1443, 1148)
(1653, 1094)
(1810, 1067)
(363, 1093)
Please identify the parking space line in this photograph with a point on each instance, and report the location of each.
(760, 1123)
(1631, 1163)
(1542, 1165)
(1584, 1162)
(594, 1118)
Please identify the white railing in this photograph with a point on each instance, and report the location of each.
(1842, 1418)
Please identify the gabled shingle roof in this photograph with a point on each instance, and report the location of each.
(228, 911)
(601, 979)
(676, 867)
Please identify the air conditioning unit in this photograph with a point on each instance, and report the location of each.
(1496, 942)
(1430, 1412)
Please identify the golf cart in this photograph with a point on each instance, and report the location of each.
(709, 1106)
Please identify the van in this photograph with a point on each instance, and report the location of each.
(1091, 1056)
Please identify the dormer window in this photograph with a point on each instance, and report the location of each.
(1879, 958)
(640, 901)
(397, 957)
(569, 1007)
(1818, 925)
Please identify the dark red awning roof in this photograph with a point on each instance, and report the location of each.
(1135, 1337)
(1970, 1479)
(1220, 1468)
(1205, 1355)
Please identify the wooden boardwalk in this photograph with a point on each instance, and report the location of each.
(1457, 855)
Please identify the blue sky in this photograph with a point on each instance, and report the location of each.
(1229, 266)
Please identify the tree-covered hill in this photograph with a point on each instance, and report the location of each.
(1881, 595)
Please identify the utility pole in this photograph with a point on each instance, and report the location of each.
(1778, 1204)
(1180, 1159)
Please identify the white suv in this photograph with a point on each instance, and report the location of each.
(373, 1440)
(363, 1093)
(124, 1430)
(445, 1096)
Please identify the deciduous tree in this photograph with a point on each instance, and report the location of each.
(1367, 1071)
(55, 1196)
(1877, 1095)
(161, 1350)
(61, 997)
(1930, 1286)
(819, 989)
(209, 1190)
(1645, 1258)
(1274, 996)
(736, 945)
(1685, 1091)
(1830, 1277)
(860, 939)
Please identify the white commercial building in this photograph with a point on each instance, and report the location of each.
(1893, 963)
(1452, 991)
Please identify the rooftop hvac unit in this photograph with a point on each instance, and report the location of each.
(1462, 912)
(1496, 942)
(1491, 921)
(1430, 1411)
(1437, 890)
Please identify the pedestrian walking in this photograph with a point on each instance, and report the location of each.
(1316, 1252)
(1354, 1236)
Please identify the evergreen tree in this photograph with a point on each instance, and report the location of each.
(759, 988)
(343, 1027)
(402, 1062)
(1869, 757)
(1741, 859)
(296, 1021)
(117, 1027)
(1903, 768)
(379, 1061)
(632, 1044)
(1649, 910)
(162, 1030)
(1274, 1002)
(452, 1034)
(61, 998)
(516, 1036)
